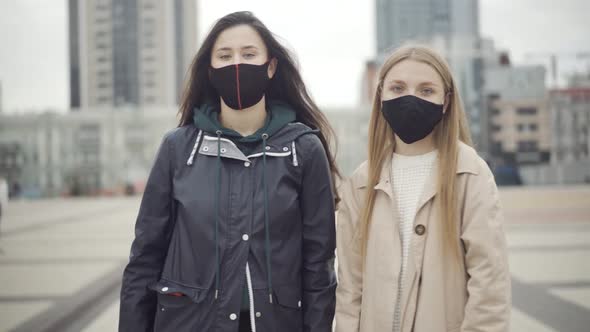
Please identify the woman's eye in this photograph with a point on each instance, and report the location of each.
(397, 89)
(249, 55)
(224, 57)
(427, 91)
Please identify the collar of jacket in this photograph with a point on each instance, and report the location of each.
(206, 118)
(465, 164)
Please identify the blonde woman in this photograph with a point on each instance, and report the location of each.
(419, 230)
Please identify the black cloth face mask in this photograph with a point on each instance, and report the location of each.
(411, 118)
(241, 85)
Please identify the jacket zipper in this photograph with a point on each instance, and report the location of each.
(251, 298)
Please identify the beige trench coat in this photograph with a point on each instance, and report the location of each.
(473, 294)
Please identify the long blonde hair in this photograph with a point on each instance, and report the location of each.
(447, 134)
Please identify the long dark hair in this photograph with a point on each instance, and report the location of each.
(286, 85)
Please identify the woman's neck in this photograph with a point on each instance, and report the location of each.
(246, 121)
(420, 147)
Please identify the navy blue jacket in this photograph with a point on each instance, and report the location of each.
(208, 210)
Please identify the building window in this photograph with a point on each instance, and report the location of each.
(495, 111)
(533, 127)
(520, 127)
(528, 146)
(497, 147)
(496, 128)
(526, 111)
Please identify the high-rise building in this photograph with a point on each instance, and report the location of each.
(129, 52)
(449, 26)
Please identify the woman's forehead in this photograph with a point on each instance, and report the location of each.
(413, 72)
(239, 37)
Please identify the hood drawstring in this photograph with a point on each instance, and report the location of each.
(195, 148)
(217, 216)
(266, 222)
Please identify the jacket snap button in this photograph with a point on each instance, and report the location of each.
(285, 149)
(233, 316)
(247, 164)
(299, 304)
(223, 150)
(165, 289)
(420, 229)
(258, 314)
(245, 237)
(205, 148)
(267, 148)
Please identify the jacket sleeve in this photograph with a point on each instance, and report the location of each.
(148, 251)
(350, 275)
(319, 238)
(488, 286)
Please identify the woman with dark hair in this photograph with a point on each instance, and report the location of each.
(236, 228)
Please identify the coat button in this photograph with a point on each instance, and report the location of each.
(245, 237)
(164, 289)
(205, 148)
(258, 314)
(420, 229)
(285, 149)
(267, 148)
(223, 150)
(233, 316)
(299, 304)
(247, 164)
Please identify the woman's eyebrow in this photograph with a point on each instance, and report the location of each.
(249, 47)
(428, 83)
(395, 81)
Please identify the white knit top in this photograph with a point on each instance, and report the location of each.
(409, 175)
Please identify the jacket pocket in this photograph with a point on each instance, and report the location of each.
(181, 308)
(174, 293)
(284, 313)
(288, 296)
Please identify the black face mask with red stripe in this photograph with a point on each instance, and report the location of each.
(241, 85)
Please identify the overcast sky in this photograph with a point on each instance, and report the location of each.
(331, 38)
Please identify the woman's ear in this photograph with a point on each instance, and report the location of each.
(272, 67)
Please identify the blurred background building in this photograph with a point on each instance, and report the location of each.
(129, 52)
(103, 151)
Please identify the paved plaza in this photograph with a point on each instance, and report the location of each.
(61, 261)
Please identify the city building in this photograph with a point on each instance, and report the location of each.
(129, 52)
(92, 152)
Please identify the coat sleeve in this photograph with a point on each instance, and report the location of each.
(489, 301)
(319, 238)
(148, 250)
(350, 275)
